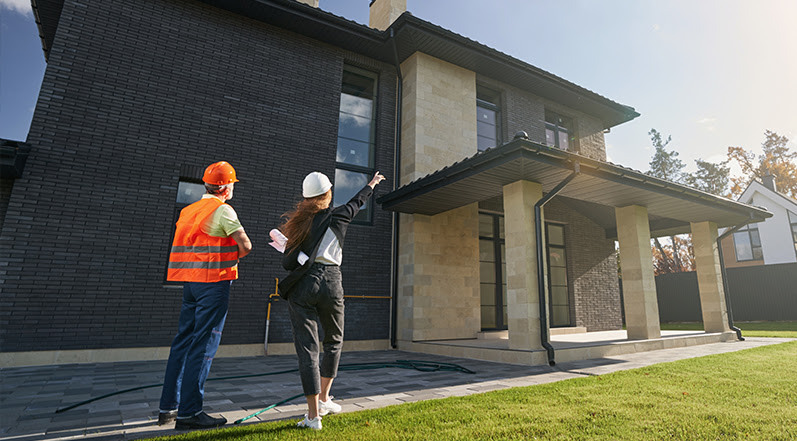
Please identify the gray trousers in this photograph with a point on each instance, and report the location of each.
(318, 297)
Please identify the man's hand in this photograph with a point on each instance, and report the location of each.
(244, 244)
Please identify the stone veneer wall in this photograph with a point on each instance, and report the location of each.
(438, 255)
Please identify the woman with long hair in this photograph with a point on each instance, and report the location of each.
(314, 289)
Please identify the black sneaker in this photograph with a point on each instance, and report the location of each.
(167, 417)
(200, 421)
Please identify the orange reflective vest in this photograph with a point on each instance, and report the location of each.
(197, 256)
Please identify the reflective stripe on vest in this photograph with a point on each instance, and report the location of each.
(197, 256)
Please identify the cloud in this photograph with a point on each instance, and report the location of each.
(20, 6)
(708, 123)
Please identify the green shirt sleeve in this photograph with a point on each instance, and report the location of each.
(223, 222)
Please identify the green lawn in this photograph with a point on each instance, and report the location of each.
(749, 329)
(749, 394)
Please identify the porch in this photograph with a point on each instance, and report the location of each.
(567, 346)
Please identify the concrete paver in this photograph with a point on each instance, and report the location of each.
(29, 396)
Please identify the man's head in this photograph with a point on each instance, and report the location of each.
(220, 179)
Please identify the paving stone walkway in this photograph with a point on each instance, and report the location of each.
(29, 396)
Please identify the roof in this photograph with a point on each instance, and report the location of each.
(763, 189)
(13, 155)
(409, 34)
(596, 190)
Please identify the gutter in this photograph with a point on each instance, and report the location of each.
(544, 337)
(396, 171)
(724, 272)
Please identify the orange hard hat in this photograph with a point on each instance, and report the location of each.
(219, 173)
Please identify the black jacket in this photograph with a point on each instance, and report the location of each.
(336, 219)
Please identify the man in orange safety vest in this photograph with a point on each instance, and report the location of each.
(208, 242)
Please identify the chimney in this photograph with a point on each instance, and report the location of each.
(385, 12)
(313, 3)
(769, 182)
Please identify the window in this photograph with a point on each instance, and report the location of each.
(488, 114)
(747, 244)
(188, 192)
(356, 137)
(492, 263)
(793, 223)
(558, 297)
(558, 131)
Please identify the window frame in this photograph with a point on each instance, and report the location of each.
(563, 247)
(747, 232)
(363, 217)
(498, 241)
(792, 217)
(490, 100)
(564, 124)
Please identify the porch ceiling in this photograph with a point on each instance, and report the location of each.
(595, 192)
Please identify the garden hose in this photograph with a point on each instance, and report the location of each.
(423, 366)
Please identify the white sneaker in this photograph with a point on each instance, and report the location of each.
(314, 423)
(325, 407)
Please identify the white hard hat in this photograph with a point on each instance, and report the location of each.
(315, 184)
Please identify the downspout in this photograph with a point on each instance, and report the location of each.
(396, 171)
(540, 263)
(725, 279)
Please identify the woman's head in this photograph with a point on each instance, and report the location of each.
(317, 192)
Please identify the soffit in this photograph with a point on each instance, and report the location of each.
(598, 188)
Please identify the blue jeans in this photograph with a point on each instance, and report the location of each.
(193, 348)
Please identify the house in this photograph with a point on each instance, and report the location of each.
(502, 219)
(770, 242)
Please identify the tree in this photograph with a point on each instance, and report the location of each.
(710, 177)
(664, 261)
(666, 165)
(777, 160)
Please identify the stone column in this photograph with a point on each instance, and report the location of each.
(636, 263)
(522, 297)
(438, 292)
(709, 277)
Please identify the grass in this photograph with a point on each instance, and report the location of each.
(749, 394)
(785, 329)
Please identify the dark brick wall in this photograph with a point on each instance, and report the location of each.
(133, 93)
(524, 111)
(591, 270)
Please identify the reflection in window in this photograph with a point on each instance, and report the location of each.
(356, 122)
(748, 244)
(189, 192)
(558, 131)
(356, 137)
(488, 117)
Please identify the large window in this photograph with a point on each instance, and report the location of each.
(793, 223)
(559, 131)
(488, 113)
(356, 137)
(747, 243)
(492, 262)
(558, 297)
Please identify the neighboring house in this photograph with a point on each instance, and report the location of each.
(770, 242)
(509, 211)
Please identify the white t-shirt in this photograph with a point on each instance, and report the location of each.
(329, 252)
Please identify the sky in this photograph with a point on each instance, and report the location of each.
(710, 73)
